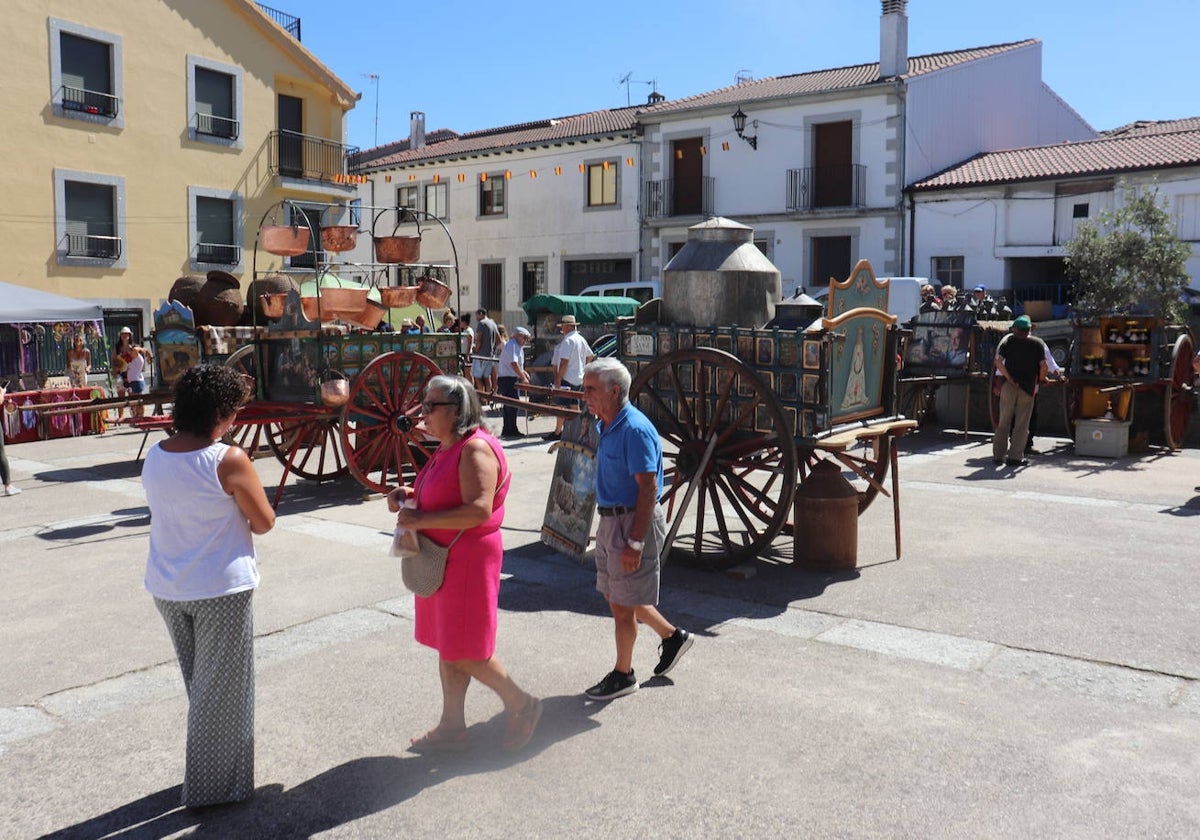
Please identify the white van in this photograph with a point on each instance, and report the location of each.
(641, 292)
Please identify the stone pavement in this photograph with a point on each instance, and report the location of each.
(1028, 668)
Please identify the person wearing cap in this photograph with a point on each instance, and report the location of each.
(486, 349)
(131, 361)
(409, 327)
(1021, 361)
(512, 371)
(568, 360)
(987, 308)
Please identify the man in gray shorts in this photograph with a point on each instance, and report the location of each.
(486, 350)
(629, 539)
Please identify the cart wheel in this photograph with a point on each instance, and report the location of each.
(379, 434)
(249, 436)
(309, 448)
(731, 507)
(916, 398)
(1177, 392)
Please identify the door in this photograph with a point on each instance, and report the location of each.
(832, 167)
(291, 139)
(687, 177)
(830, 258)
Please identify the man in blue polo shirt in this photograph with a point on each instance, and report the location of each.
(629, 539)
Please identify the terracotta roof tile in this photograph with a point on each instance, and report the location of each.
(840, 78)
(613, 121)
(1106, 155)
(1154, 127)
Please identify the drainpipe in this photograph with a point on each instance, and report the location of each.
(912, 234)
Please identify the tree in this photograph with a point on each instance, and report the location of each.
(1130, 260)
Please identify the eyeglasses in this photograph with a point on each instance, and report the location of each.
(428, 407)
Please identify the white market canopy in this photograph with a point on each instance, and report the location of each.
(23, 305)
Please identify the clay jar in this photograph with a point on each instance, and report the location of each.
(270, 284)
(220, 300)
(186, 290)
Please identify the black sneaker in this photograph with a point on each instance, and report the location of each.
(614, 685)
(671, 650)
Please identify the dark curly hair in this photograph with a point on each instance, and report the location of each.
(204, 395)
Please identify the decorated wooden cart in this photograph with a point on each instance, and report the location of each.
(746, 413)
(1121, 360)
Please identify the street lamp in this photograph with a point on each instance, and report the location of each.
(739, 125)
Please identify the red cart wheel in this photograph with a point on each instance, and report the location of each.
(379, 422)
(1177, 392)
(730, 458)
(309, 448)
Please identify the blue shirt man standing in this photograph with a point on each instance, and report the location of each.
(629, 539)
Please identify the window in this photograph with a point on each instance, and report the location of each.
(406, 197)
(948, 271)
(491, 195)
(89, 218)
(356, 212)
(215, 229)
(533, 278)
(491, 286)
(85, 73)
(1080, 211)
(310, 216)
(435, 200)
(214, 105)
(1187, 214)
(602, 184)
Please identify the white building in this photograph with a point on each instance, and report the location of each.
(820, 167)
(1002, 218)
(547, 206)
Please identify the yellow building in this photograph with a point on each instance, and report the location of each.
(145, 139)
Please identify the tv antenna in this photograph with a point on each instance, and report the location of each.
(628, 80)
(743, 76)
(374, 77)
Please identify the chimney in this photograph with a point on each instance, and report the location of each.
(655, 97)
(893, 39)
(416, 129)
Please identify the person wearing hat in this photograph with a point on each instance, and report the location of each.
(486, 349)
(409, 327)
(131, 361)
(512, 371)
(571, 354)
(1021, 361)
(987, 308)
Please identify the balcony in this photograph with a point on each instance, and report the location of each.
(290, 23)
(98, 247)
(294, 155)
(89, 102)
(669, 197)
(218, 254)
(826, 187)
(212, 125)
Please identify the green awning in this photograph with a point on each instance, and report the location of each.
(587, 309)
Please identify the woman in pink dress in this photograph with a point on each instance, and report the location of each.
(462, 488)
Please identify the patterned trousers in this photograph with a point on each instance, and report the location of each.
(214, 642)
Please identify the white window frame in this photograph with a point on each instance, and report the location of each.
(61, 177)
(416, 195)
(961, 270)
(479, 190)
(239, 226)
(57, 28)
(195, 61)
(445, 190)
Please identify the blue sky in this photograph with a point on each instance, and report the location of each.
(471, 65)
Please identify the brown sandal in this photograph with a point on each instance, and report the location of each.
(436, 740)
(521, 725)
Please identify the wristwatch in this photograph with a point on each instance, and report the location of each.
(636, 545)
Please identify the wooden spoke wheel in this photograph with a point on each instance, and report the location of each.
(379, 422)
(729, 455)
(916, 399)
(249, 436)
(1177, 392)
(310, 448)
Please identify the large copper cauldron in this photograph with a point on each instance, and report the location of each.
(339, 237)
(284, 240)
(398, 295)
(396, 249)
(432, 292)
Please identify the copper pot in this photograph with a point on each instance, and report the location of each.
(284, 240)
(432, 293)
(398, 295)
(335, 392)
(397, 249)
(370, 315)
(272, 305)
(339, 237)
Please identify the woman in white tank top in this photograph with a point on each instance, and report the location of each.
(205, 502)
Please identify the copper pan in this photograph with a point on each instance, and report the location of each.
(284, 240)
(339, 237)
(432, 293)
(398, 295)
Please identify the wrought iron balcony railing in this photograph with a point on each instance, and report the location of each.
(100, 247)
(218, 254)
(214, 126)
(89, 101)
(817, 187)
(680, 197)
(295, 155)
(290, 23)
